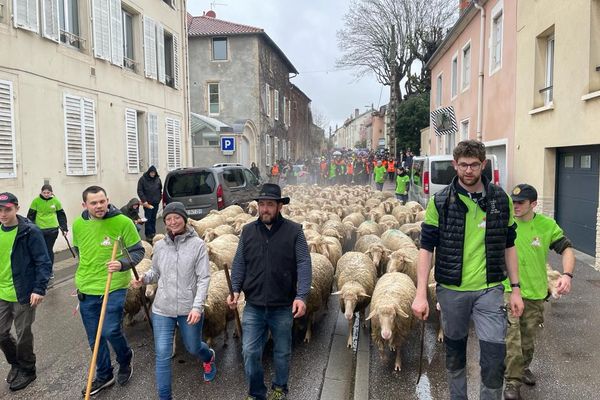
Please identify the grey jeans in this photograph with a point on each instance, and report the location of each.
(18, 352)
(485, 307)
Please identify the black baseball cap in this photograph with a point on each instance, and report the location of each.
(524, 192)
(8, 200)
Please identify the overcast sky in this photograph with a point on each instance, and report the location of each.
(306, 32)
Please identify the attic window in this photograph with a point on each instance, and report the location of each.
(219, 49)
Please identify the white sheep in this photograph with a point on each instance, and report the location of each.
(368, 228)
(404, 260)
(222, 250)
(394, 239)
(328, 246)
(212, 233)
(413, 231)
(210, 221)
(147, 249)
(158, 237)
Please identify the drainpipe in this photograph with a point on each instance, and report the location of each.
(480, 76)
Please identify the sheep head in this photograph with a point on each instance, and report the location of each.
(350, 294)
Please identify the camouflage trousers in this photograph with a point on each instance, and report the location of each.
(520, 338)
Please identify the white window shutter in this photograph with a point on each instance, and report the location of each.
(153, 139)
(80, 135)
(26, 14)
(176, 64)
(50, 28)
(116, 32)
(170, 144)
(131, 138)
(89, 136)
(177, 142)
(160, 50)
(268, 150)
(149, 48)
(101, 25)
(8, 165)
(276, 148)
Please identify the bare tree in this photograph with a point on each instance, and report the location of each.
(319, 119)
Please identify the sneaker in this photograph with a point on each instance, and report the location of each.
(528, 377)
(98, 385)
(12, 374)
(210, 369)
(22, 380)
(277, 394)
(511, 392)
(125, 371)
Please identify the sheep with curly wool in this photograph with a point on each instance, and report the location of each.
(413, 231)
(404, 260)
(210, 221)
(394, 239)
(222, 250)
(148, 249)
(368, 228)
(212, 233)
(133, 296)
(328, 246)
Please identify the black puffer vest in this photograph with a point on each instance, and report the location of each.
(271, 271)
(452, 212)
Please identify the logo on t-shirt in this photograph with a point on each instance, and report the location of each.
(52, 206)
(482, 224)
(106, 242)
(536, 242)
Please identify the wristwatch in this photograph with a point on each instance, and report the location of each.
(515, 285)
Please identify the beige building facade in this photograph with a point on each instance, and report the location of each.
(91, 93)
(557, 143)
(354, 130)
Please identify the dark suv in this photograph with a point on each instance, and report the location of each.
(203, 189)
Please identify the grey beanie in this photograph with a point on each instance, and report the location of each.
(175, 208)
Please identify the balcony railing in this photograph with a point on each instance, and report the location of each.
(130, 64)
(71, 39)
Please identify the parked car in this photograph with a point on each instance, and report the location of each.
(430, 174)
(203, 189)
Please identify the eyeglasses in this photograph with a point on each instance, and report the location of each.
(474, 166)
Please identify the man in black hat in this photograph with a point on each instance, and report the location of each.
(272, 266)
(25, 269)
(536, 235)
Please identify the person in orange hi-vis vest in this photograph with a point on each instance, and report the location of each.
(390, 169)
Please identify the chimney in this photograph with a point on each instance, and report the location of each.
(356, 112)
(463, 5)
(211, 14)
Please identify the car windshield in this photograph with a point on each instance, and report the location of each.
(191, 184)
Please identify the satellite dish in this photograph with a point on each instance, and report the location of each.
(211, 14)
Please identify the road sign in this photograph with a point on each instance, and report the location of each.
(228, 145)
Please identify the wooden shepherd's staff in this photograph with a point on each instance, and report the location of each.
(100, 323)
(238, 324)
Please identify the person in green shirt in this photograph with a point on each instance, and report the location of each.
(402, 185)
(469, 224)
(536, 236)
(94, 234)
(379, 172)
(47, 213)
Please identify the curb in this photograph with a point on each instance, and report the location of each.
(338, 374)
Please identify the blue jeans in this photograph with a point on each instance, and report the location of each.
(150, 224)
(379, 186)
(256, 323)
(402, 197)
(112, 331)
(164, 331)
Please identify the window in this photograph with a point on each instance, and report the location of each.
(8, 164)
(150, 53)
(108, 30)
(169, 2)
(69, 22)
(234, 178)
(466, 66)
(128, 55)
(26, 14)
(496, 38)
(268, 160)
(268, 100)
(80, 135)
(289, 115)
(450, 142)
(454, 77)
(168, 59)
(284, 149)
(153, 140)
(464, 129)
(173, 129)
(438, 91)
(219, 49)
(191, 184)
(276, 104)
(276, 148)
(548, 90)
(213, 98)
(131, 140)
(161, 54)
(250, 178)
(284, 104)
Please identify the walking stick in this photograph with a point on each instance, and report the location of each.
(100, 323)
(421, 351)
(137, 277)
(68, 244)
(238, 324)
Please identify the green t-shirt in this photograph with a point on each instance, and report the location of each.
(401, 182)
(534, 238)
(7, 287)
(474, 275)
(94, 239)
(45, 216)
(380, 174)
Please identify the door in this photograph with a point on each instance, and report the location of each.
(577, 195)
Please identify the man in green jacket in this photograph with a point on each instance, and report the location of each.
(379, 172)
(536, 236)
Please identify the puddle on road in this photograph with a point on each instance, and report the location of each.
(423, 389)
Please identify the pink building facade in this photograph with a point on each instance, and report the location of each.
(478, 83)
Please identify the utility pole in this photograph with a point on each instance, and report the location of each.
(393, 104)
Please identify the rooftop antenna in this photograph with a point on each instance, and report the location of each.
(213, 4)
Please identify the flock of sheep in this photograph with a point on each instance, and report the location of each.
(364, 248)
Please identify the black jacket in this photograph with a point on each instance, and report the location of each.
(150, 189)
(129, 211)
(29, 261)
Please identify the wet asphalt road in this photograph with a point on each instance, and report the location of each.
(566, 360)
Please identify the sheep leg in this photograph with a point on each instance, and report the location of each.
(308, 335)
(440, 334)
(350, 326)
(363, 318)
(398, 363)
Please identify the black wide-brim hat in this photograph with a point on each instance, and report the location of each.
(271, 191)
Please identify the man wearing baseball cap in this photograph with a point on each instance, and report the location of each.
(536, 235)
(25, 269)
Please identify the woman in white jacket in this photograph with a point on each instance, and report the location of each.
(180, 265)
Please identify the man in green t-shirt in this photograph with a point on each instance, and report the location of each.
(470, 226)
(94, 234)
(379, 173)
(402, 184)
(536, 235)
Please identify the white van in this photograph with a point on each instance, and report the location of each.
(430, 174)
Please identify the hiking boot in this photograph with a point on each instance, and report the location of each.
(12, 374)
(22, 380)
(125, 371)
(511, 392)
(528, 377)
(277, 394)
(210, 369)
(99, 385)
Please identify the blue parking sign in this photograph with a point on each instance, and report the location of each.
(228, 144)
